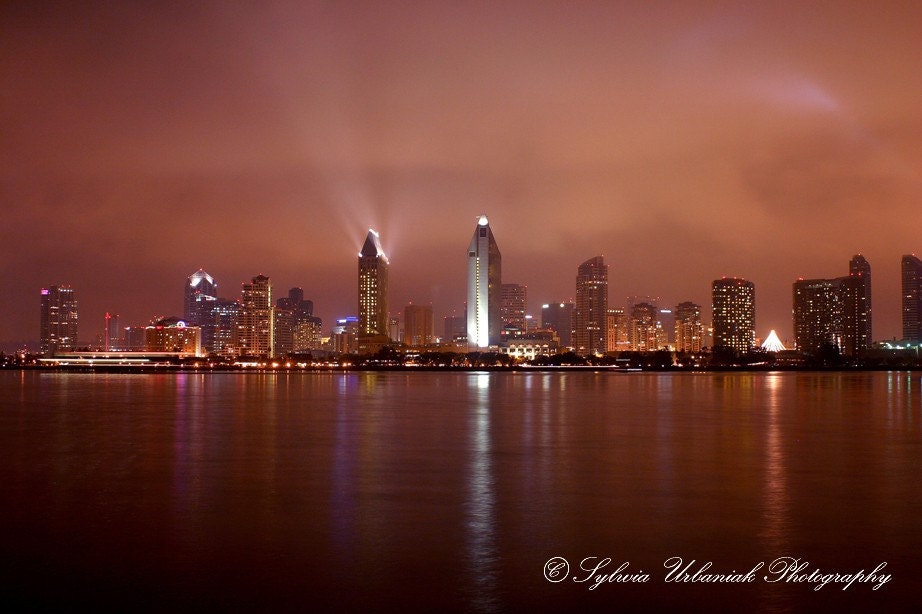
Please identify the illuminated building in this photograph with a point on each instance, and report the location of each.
(417, 325)
(372, 287)
(912, 298)
(290, 312)
(200, 288)
(834, 313)
(111, 336)
(58, 325)
(618, 331)
(512, 309)
(689, 332)
(558, 317)
(344, 337)
(224, 319)
(643, 328)
(733, 304)
(172, 335)
(307, 334)
(772, 343)
(254, 320)
(484, 278)
(591, 307)
(860, 313)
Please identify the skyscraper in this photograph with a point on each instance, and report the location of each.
(417, 325)
(859, 310)
(912, 298)
(372, 287)
(834, 313)
(689, 332)
(58, 325)
(512, 308)
(484, 278)
(200, 289)
(591, 310)
(254, 320)
(643, 327)
(618, 330)
(733, 303)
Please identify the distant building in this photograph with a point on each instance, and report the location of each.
(417, 325)
(689, 331)
(373, 267)
(484, 278)
(308, 334)
(344, 337)
(733, 304)
(558, 317)
(591, 307)
(223, 322)
(643, 327)
(58, 326)
(200, 289)
(859, 267)
(254, 320)
(512, 309)
(453, 327)
(172, 335)
(834, 313)
(618, 330)
(912, 298)
(111, 337)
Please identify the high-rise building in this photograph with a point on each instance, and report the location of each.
(834, 313)
(484, 279)
(58, 327)
(618, 330)
(172, 335)
(643, 327)
(558, 317)
(255, 321)
(372, 287)
(200, 289)
(860, 312)
(912, 298)
(111, 336)
(591, 307)
(512, 309)
(689, 332)
(224, 319)
(733, 304)
(417, 325)
(290, 312)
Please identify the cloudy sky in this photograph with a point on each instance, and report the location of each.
(684, 141)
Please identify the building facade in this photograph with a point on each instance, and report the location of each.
(512, 302)
(417, 325)
(733, 304)
(558, 317)
(373, 266)
(591, 310)
(859, 267)
(254, 320)
(173, 335)
(58, 325)
(689, 331)
(912, 298)
(484, 280)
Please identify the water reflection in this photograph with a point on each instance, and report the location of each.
(482, 554)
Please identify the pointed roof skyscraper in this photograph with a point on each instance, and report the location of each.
(373, 266)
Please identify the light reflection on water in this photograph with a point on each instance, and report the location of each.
(448, 491)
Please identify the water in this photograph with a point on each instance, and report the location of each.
(450, 491)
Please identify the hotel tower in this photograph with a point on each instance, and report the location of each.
(372, 287)
(483, 287)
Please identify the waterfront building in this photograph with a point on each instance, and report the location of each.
(173, 335)
(733, 304)
(417, 325)
(512, 309)
(689, 331)
(834, 313)
(373, 265)
(618, 330)
(643, 327)
(912, 298)
(453, 328)
(591, 307)
(484, 279)
(558, 317)
(58, 325)
(859, 267)
(200, 289)
(254, 319)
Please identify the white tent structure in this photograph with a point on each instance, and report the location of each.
(772, 343)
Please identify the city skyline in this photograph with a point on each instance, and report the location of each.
(684, 144)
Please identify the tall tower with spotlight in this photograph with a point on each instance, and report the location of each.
(372, 287)
(484, 283)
